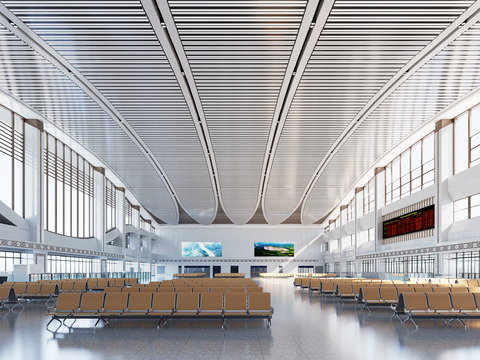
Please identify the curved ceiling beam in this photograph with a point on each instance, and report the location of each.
(23, 32)
(161, 19)
(467, 19)
(316, 15)
(39, 116)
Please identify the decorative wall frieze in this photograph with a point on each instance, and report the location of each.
(51, 248)
(424, 251)
(236, 260)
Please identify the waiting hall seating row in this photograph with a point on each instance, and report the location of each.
(315, 275)
(189, 275)
(8, 297)
(229, 275)
(161, 306)
(187, 289)
(275, 275)
(444, 306)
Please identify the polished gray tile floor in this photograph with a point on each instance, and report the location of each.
(304, 326)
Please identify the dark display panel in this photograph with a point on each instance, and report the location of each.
(414, 221)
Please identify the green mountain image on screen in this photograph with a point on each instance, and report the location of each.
(274, 249)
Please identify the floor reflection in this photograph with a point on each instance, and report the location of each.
(304, 326)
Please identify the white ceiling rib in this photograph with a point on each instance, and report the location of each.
(238, 53)
(162, 23)
(139, 86)
(363, 45)
(316, 15)
(30, 77)
(452, 32)
(450, 74)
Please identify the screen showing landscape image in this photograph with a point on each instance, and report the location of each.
(201, 249)
(273, 249)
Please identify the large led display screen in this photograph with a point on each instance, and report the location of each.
(273, 249)
(201, 249)
(414, 221)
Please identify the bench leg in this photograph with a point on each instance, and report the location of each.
(74, 321)
(411, 319)
(457, 318)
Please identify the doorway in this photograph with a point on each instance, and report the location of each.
(255, 270)
(197, 269)
(234, 269)
(216, 270)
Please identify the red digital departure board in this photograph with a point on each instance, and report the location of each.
(414, 221)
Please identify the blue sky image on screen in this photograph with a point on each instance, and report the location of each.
(201, 249)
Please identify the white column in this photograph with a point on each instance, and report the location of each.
(443, 145)
(357, 225)
(379, 198)
(99, 207)
(121, 220)
(34, 197)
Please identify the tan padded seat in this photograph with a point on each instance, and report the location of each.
(131, 290)
(67, 286)
(163, 304)
(416, 303)
(235, 304)
(315, 285)
(115, 303)
(254, 290)
(297, 282)
(80, 286)
(20, 289)
(459, 289)
(67, 303)
(33, 290)
(211, 304)
(442, 289)
(183, 289)
(259, 304)
(472, 282)
(150, 290)
(219, 289)
(474, 289)
(371, 295)
(404, 289)
(464, 303)
(427, 289)
(305, 283)
(103, 283)
(236, 289)
(187, 304)
(440, 303)
(113, 289)
(138, 304)
(91, 303)
(92, 283)
(165, 289)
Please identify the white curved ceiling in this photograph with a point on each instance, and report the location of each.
(201, 103)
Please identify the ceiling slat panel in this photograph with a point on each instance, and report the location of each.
(238, 52)
(27, 75)
(113, 45)
(362, 46)
(445, 78)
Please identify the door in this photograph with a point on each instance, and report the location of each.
(216, 270)
(198, 269)
(234, 269)
(255, 270)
